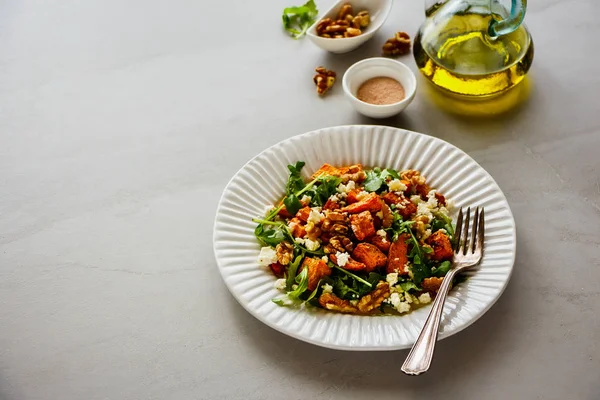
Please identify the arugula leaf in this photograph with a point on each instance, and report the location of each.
(443, 269)
(297, 20)
(269, 236)
(324, 188)
(314, 292)
(291, 272)
(279, 302)
(342, 290)
(292, 204)
(295, 182)
(448, 226)
(302, 281)
(409, 285)
(373, 278)
(373, 181)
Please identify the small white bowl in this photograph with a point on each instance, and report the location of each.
(364, 70)
(378, 10)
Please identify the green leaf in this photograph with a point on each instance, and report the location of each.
(302, 281)
(427, 250)
(373, 182)
(324, 188)
(269, 236)
(295, 182)
(314, 292)
(292, 270)
(292, 204)
(443, 269)
(279, 302)
(409, 285)
(342, 290)
(297, 20)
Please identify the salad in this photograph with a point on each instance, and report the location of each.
(355, 240)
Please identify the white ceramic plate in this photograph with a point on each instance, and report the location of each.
(261, 182)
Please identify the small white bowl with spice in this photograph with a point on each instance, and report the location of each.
(349, 24)
(379, 87)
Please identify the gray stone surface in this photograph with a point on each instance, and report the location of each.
(122, 121)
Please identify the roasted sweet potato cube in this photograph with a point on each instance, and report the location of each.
(352, 196)
(277, 269)
(382, 243)
(297, 228)
(442, 248)
(369, 255)
(404, 206)
(327, 169)
(362, 225)
(317, 269)
(351, 264)
(370, 202)
(423, 190)
(432, 284)
(408, 186)
(331, 205)
(303, 214)
(397, 256)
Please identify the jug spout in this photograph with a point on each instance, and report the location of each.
(512, 22)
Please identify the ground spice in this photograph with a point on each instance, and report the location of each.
(381, 90)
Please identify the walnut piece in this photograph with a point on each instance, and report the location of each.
(285, 252)
(344, 11)
(330, 301)
(398, 45)
(324, 79)
(373, 300)
(341, 244)
(345, 25)
(362, 20)
(312, 231)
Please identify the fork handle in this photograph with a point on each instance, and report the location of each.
(421, 354)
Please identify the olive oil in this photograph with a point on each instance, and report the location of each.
(457, 54)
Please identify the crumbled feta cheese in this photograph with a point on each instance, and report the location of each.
(392, 278)
(361, 195)
(280, 284)
(424, 210)
(342, 258)
(431, 199)
(327, 288)
(425, 298)
(416, 199)
(449, 206)
(381, 233)
(311, 245)
(445, 232)
(325, 259)
(403, 307)
(315, 216)
(379, 214)
(351, 185)
(443, 210)
(267, 256)
(299, 240)
(409, 298)
(354, 302)
(334, 197)
(306, 199)
(396, 185)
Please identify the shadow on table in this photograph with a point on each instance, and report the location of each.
(477, 347)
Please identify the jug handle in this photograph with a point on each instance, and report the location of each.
(510, 24)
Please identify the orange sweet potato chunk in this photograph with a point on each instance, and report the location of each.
(303, 214)
(362, 225)
(351, 265)
(382, 243)
(432, 284)
(442, 248)
(370, 202)
(317, 269)
(397, 256)
(369, 255)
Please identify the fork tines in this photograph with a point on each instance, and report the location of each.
(462, 243)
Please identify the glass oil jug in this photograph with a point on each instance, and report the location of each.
(475, 48)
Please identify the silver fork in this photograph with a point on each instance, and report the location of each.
(466, 255)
